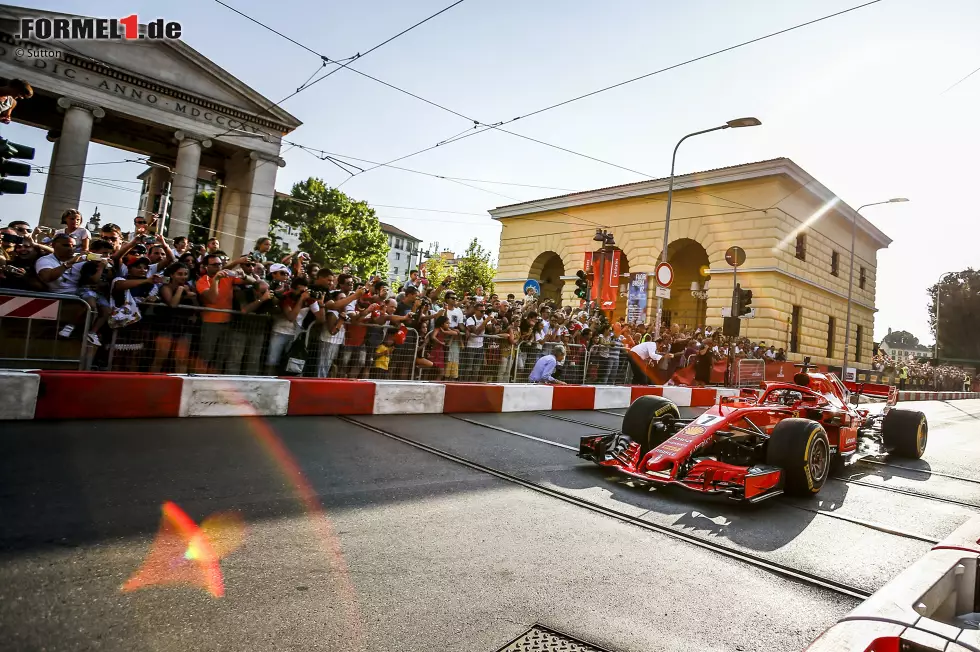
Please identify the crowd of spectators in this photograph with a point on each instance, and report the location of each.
(920, 372)
(159, 305)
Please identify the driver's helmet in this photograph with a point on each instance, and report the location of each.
(802, 379)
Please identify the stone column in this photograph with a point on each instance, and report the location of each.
(154, 187)
(64, 186)
(246, 200)
(183, 186)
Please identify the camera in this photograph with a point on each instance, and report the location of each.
(164, 279)
(13, 237)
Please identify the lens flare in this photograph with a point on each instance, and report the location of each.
(184, 553)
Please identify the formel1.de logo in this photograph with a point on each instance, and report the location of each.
(97, 29)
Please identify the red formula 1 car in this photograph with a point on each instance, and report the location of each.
(784, 437)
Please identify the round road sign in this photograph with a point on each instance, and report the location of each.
(664, 274)
(735, 256)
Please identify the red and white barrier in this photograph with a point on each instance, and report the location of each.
(102, 395)
(919, 606)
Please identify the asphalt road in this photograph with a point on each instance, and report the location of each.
(356, 541)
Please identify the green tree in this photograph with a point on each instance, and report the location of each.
(959, 314)
(900, 338)
(475, 269)
(334, 229)
(436, 270)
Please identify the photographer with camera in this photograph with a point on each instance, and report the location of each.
(293, 308)
(20, 254)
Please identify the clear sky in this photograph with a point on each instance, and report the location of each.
(858, 101)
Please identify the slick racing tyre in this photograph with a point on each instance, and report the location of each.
(641, 417)
(905, 431)
(801, 449)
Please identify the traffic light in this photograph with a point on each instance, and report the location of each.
(581, 285)
(8, 168)
(743, 300)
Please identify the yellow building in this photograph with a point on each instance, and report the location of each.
(795, 232)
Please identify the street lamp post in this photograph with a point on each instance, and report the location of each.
(850, 278)
(939, 289)
(731, 124)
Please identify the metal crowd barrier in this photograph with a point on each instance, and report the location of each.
(33, 330)
(192, 339)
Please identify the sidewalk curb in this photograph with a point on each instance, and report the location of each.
(83, 395)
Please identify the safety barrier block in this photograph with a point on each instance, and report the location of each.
(636, 391)
(317, 396)
(607, 398)
(895, 601)
(681, 396)
(702, 396)
(573, 397)
(98, 395)
(527, 398)
(407, 397)
(966, 538)
(233, 396)
(473, 397)
(20, 394)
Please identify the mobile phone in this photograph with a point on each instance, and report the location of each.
(164, 279)
(93, 257)
(13, 237)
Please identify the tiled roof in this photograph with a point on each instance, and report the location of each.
(394, 230)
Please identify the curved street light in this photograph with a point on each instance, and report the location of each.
(731, 124)
(850, 278)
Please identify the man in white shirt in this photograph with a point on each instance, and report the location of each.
(61, 270)
(643, 359)
(476, 324)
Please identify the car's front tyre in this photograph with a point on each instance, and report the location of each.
(801, 449)
(906, 432)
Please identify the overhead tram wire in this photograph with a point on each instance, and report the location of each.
(499, 125)
(340, 63)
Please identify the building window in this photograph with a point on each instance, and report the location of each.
(863, 278)
(801, 246)
(399, 244)
(794, 330)
(835, 263)
(398, 256)
(831, 327)
(394, 271)
(857, 343)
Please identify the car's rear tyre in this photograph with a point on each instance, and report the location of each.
(906, 432)
(640, 418)
(801, 449)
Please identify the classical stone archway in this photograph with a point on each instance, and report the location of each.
(548, 269)
(161, 99)
(689, 260)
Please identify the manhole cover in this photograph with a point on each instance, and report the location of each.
(542, 639)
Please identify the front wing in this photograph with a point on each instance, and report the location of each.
(702, 474)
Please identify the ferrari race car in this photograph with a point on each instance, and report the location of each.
(784, 437)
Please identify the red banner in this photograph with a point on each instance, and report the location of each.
(606, 274)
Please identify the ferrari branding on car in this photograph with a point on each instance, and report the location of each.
(781, 438)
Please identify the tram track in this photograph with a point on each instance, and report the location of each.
(754, 560)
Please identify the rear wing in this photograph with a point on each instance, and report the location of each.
(889, 392)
